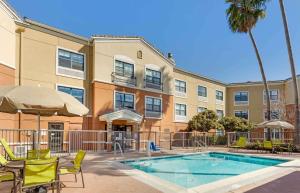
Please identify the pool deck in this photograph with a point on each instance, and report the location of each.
(103, 174)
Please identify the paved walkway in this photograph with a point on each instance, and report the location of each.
(101, 177)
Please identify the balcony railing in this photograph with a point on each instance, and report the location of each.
(119, 79)
(152, 85)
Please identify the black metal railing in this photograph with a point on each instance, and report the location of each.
(119, 79)
(153, 85)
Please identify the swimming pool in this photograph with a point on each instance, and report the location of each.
(197, 169)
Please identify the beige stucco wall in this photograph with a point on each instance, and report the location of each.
(191, 99)
(289, 94)
(39, 57)
(106, 50)
(7, 38)
(256, 106)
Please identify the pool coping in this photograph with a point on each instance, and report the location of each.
(220, 186)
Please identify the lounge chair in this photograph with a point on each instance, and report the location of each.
(154, 147)
(76, 167)
(7, 175)
(9, 152)
(241, 143)
(268, 146)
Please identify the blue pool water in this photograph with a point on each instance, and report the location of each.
(197, 169)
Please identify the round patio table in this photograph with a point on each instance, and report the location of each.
(20, 164)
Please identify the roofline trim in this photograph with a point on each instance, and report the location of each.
(13, 14)
(201, 76)
(99, 38)
(54, 29)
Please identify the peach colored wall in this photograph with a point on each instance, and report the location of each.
(103, 102)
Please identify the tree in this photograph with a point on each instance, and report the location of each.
(293, 72)
(204, 122)
(242, 17)
(235, 124)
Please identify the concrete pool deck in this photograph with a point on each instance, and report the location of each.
(102, 175)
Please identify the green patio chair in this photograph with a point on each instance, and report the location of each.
(40, 173)
(3, 161)
(38, 154)
(6, 176)
(9, 152)
(267, 145)
(241, 143)
(76, 167)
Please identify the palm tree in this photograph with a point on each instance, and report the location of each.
(242, 17)
(293, 71)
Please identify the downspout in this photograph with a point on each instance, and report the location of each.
(20, 30)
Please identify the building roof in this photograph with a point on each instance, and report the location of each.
(249, 83)
(201, 76)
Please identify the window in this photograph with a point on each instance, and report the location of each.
(202, 91)
(275, 133)
(241, 97)
(275, 114)
(124, 69)
(153, 104)
(124, 101)
(241, 114)
(220, 113)
(219, 95)
(201, 109)
(180, 109)
(70, 60)
(153, 76)
(75, 92)
(273, 95)
(180, 86)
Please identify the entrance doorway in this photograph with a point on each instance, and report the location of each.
(56, 137)
(123, 135)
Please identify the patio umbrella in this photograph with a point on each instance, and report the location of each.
(39, 101)
(275, 124)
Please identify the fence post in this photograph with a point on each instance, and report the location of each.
(228, 139)
(249, 140)
(138, 141)
(69, 142)
(170, 140)
(35, 135)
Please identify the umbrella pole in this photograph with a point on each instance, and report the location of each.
(39, 132)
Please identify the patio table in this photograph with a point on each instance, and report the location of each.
(20, 164)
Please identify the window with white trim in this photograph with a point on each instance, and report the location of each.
(219, 95)
(220, 113)
(275, 114)
(153, 104)
(241, 114)
(180, 86)
(180, 109)
(124, 101)
(71, 60)
(201, 109)
(202, 91)
(153, 76)
(124, 69)
(241, 97)
(75, 92)
(274, 95)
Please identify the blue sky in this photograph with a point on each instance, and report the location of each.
(195, 31)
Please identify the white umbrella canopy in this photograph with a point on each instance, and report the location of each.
(275, 124)
(39, 101)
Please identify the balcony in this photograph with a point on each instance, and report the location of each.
(123, 80)
(153, 85)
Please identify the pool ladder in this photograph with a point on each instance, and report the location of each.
(199, 145)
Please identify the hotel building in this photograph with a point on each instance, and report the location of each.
(127, 83)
